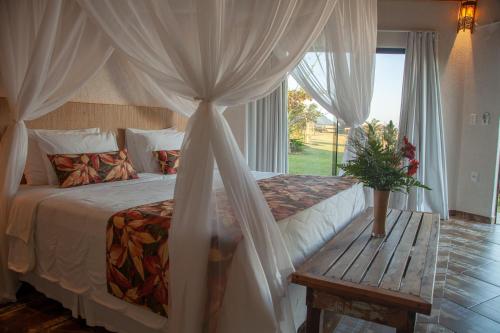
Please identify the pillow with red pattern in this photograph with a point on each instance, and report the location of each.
(92, 168)
(169, 160)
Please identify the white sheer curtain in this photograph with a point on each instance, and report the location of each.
(421, 121)
(165, 97)
(221, 53)
(339, 70)
(48, 50)
(267, 131)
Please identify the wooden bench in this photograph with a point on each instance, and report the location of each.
(384, 280)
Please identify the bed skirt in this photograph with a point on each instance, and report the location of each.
(101, 309)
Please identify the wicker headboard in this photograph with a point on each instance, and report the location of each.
(116, 118)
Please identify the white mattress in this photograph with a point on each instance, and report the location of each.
(65, 228)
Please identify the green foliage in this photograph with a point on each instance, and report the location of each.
(296, 145)
(379, 159)
(300, 112)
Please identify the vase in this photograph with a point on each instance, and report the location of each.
(380, 203)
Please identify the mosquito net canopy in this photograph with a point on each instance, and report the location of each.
(197, 56)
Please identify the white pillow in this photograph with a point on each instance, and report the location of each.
(150, 142)
(135, 150)
(76, 143)
(35, 171)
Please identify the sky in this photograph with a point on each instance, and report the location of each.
(386, 101)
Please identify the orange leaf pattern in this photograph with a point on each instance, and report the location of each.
(137, 242)
(169, 160)
(92, 168)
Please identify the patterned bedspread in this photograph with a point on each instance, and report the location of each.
(137, 242)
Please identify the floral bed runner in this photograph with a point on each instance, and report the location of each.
(137, 242)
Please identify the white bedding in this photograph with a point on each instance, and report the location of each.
(66, 230)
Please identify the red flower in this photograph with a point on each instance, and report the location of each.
(413, 167)
(408, 149)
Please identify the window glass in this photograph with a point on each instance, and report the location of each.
(317, 142)
(311, 132)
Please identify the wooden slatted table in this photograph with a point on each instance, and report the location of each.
(384, 280)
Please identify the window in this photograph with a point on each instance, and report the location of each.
(387, 89)
(311, 131)
(317, 139)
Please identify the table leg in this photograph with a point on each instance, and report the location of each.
(313, 320)
(407, 324)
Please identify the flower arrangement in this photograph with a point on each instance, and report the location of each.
(383, 164)
(380, 161)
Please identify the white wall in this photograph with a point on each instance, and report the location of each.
(115, 84)
(479, 146)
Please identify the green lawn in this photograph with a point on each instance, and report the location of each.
(316, 159)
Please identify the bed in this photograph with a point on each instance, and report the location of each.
(64, 253)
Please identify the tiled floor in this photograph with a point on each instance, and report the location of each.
(466, 298)
(467, 289)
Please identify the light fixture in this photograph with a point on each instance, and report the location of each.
(466, 16)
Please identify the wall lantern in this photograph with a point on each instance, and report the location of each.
(467, 15)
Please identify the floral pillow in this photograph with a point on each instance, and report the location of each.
(169, 160)
(92, 168)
